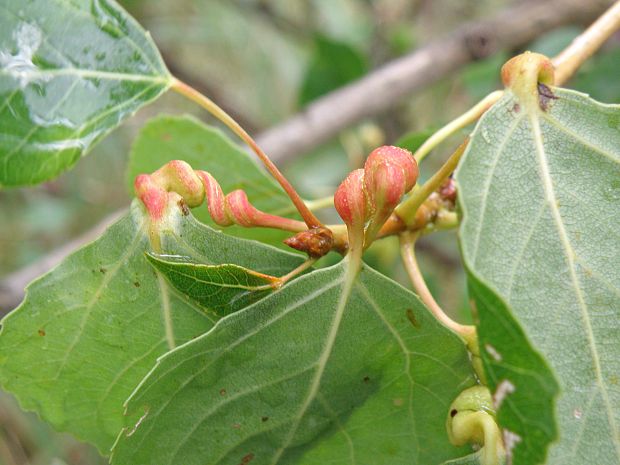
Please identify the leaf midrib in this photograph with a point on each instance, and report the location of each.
(489, 181)
(86, 74)
(223, 284)
(111, 273)
(352, 269)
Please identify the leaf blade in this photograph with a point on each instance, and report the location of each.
(249, 387)
(221, 289)
(62, 93)
(90, 330)
(534, 231)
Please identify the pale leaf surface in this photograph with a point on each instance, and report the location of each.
(540, 195)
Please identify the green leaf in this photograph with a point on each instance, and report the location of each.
(166, 138)
(297, 378)
(90, 330)
(518, 373)
(333, 64)
(539, 191)
(70, 72)
(221, 289)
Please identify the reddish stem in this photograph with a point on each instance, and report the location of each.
(191, 93)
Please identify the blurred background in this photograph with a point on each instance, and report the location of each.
(262, 61)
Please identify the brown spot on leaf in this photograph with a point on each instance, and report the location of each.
(264, 419)
(247, 459)
(398, 402)
(165, 136)
(136, 283)
(183, 206)
(453, 413)
(411, 317)
(222, 392)
(516, 108)
(545, 95)
(366, 379)
(236, 426)
(41, 332)
(102, 270)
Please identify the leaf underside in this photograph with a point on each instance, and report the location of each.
(539, 191)
(286, 381)
(70, 71)
(89, 330)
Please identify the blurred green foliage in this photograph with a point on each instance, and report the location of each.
(333, 64)
(262, 60)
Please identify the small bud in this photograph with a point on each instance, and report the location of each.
(315, 242)
(350, 200)
(390, 172)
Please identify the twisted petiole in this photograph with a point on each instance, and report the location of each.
(189, 92)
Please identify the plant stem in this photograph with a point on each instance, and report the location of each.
(566, 63)
(290, 275)
(192, 94)
(585, 44)
(320, 204)
(407, 210)
(466, 118)
(407, 249)
(446, 220)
